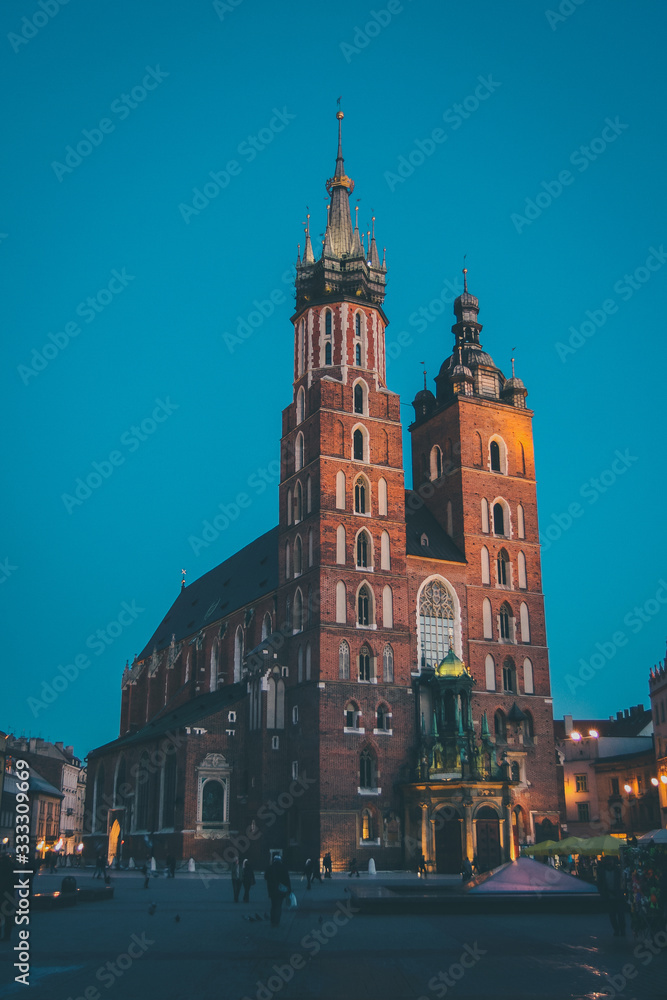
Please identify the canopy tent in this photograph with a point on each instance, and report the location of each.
(544, 847)
(588, 847)
(654, 837)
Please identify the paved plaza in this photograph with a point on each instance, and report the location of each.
(198, 946)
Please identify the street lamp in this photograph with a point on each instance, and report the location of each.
(627, 787)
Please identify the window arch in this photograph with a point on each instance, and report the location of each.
(357, 324)
(299, 665)
(367, 769)
(365, 610)
(506, 623)
(499, 526)
(298, 611)
(388, 665)
(503, 568)
(341, 603)
(522, 458)
(521, 563)
(436, 462)
(360, 451)
(327, 323)
(486, 570)
(515, 773)
(238, 654)
(310, 546)
(485, 515)
(528, 730)
(357, 355)
(528, 683)
(290, 509)
(524, 618)
(382, 497)
(500, 726)
(487, 621)
(352, 715)
(490, 672)
(298, 452)
(450, 519)
(497, 455)
(298, 556)
(340, 490)
(302, 346)
(288, 613)
(267, 627)
(362, 496)
(340, 545)
(383, 718)
(437, 614)
(300, 405)
(366, 672)
(298, 503)
(288, 561)
(309, 495)
(344, 661)
(360, 396)
(368, 825)
(387, 607)
(509, 676)
(521, 521)
(385, 551)
(478, 449)
(340, 438)
(309, 661)
(364, 550)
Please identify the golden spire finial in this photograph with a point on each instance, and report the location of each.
(424, 364)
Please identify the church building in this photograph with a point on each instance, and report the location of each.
(370, 677)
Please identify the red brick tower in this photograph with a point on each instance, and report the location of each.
(472, 457)
(342, 545)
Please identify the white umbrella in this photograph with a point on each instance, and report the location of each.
(654, 836)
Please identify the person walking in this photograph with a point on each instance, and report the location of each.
(326, 861)
(421, 867)
(466, 869)
(236, 878)
(248, 880)
(278, 887)
(308, 872)
(100, 866)
(353, 868)
(171, 866)
(610, 887)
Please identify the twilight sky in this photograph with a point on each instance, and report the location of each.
(127, 294)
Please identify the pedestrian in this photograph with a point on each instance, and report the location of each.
(248, 879)
(236, 878)
(353, 868)
(7, 896)
(421, 867)
(466, 869)
(278, 886)
(610, 887)
(308, 872)
(326, 861)
(100, 866)
(171, 866)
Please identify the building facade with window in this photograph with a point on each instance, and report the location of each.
(370, 677)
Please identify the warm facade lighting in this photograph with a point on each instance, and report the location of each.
(628, 788)
(574, 735)
(663, 778)
(654, 781)
(594, 733)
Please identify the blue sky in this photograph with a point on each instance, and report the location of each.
(550, 179)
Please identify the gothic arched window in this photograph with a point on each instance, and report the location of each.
(509, 676)
(238, 654)
(494, 449)
(327, 353)
(361, 496)
(327, 323)
(357, 325)
(506, 619)
(358, 441)
(436, 622)
(357, 355)
(365, 664)
(502, 564)
(364, 606)
(388, 665)
(367, 769)
(344, 661)
(358, 398)
(500, 726)
(363, 550)
(498, 519)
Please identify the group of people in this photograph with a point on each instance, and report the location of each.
(278, 883)
(242, 876)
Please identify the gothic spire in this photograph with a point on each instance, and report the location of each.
(339, 227)
(308, 256)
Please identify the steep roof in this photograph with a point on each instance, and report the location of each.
(246, 576)
(632, 724)
(418, 522)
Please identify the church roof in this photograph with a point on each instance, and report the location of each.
(246, 576)
(419, 522)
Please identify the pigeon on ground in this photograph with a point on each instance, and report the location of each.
(151, 909)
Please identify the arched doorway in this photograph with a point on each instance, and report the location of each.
(488, 839)
(546, 830)
(114, 834)
(518, 829)
(447, 845)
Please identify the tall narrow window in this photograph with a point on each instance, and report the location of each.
(327, 353)
(352, 714)
(521, 521)
(309, 661)
(340, 545)
(357, 355)
(288, 562)
(358, 398)
(357, 325)
(525, 623)
(298, 453)
(363, 550)
(302, 347)
(487, 619)
(523, 459)
(521, 562)
(365, 664)
(494, 448)
(298, 502)
(358, 439)
(367, 770)
(505, 622)
(364, 606)
(341, 603)
(290, 508)
(238, 654)
(327, 323)
(382, 497)
(361, 505)
(385, 554)
(485, 515)
(300, 402)
(486, 575)
(266, 626)
(500, 726)
(388, 665)
(310, 547)
(298, 556)
(498, 519)
(450, 519)
(502, 566)
(436, 462)
(490, 673)
(344, 661)
(387, 607)
(509, 676)
(528, 684)
(299, 665)
(436, 622)
(340, 490)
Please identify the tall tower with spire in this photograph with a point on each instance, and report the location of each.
(342, 532)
